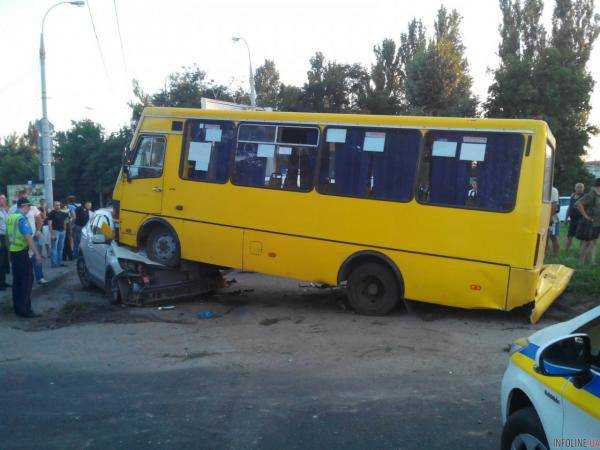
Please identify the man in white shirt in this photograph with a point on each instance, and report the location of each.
(554, 228)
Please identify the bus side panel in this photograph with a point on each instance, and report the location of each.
(446, 281)
(212, 244)
(452, 282)
(129, 223)
(522, 287)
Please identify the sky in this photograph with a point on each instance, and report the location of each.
(161, 36)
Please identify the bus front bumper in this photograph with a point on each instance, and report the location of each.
(552, 282)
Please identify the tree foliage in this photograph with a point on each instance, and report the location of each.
(547, 78)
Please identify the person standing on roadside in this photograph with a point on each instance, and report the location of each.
(554, 227)
(573, 213)
(57, 221)
(34, 216)
(4, 263)
(589, 227)
(82, 216)
(20, 238)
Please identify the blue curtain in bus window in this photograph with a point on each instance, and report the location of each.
(394, 170)
(218, 165)
(351, 169)
(249, 169)
(451, 179)
(499, 172)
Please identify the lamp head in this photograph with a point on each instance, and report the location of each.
(77, 3)
(235, 38)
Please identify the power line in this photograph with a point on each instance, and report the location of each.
(98, 43)
(120, 37)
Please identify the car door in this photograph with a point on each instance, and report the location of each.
(97, 252)
(145, 175)
(582, 405)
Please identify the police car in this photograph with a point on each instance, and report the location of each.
(551, 388)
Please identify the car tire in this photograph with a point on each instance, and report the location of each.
(162, 247)
(373, 289)
(523, 430)
(113, 290)
(83, 273)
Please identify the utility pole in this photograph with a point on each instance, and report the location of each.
(46, 139)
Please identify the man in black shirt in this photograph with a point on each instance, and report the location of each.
(57, 221)
(573, 213)
(82, 216)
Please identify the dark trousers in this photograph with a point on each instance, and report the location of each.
(4, 264)
(22, 271)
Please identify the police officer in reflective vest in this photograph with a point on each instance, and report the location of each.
(20, 244)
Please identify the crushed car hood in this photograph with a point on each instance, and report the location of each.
(125, 253)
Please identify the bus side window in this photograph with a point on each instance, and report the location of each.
(276, 156)
(376, 163)
(206, 150)
(473, 170)
(149, 157)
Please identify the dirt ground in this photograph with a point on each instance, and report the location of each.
(454, 359)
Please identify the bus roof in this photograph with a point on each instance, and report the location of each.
(423, 122)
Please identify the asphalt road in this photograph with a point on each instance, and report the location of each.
(44, 407)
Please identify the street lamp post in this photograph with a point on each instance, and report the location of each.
(45, 125)
(251, 75)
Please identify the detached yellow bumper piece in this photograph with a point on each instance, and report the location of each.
(553, 281)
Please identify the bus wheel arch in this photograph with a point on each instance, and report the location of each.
(365, 266)
(160, 240)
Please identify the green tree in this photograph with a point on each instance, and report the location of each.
(184, 89)
(334, 87)
(88, 161)
(267, 84)
(545, 78)
(19, 161)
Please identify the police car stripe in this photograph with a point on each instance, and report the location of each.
(593, 387)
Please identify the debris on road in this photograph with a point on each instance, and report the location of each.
(208, 314)
(164, 308)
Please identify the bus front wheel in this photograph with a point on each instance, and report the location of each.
(373, 289)
(163, 247)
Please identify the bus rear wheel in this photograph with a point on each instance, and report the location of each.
(373, 289)
(162, 246)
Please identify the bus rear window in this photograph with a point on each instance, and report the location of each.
(548, 174)
(472, 170)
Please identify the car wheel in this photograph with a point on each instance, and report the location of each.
(162, 247)
(83, 274)
(113, 290)
(523, 431)
(373, 289)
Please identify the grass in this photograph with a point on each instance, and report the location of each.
(586, 279)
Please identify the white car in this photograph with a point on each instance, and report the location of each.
(131, 277)
(551, 388)
(563, 203)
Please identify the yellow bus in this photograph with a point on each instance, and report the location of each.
(451, 211)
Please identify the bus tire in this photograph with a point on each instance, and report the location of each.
(163, 247)
(373, 289)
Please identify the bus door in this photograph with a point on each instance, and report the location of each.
(144, 175)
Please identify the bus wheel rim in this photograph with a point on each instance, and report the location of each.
(164, 247)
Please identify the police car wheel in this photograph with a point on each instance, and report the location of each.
(83, 274)
(113, 290)
(523, 431)
(373, 289)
